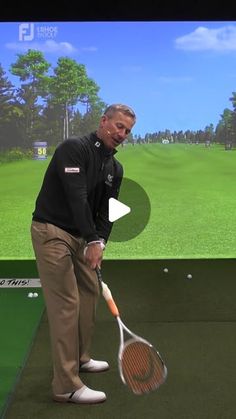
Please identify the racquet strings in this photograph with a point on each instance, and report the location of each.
(140, 365)
(142, 368)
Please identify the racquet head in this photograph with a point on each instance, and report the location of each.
(141, 367)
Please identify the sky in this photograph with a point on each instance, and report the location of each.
(176, 75)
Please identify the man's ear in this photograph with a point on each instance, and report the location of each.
(103, 119)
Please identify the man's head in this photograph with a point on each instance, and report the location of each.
(116, 124)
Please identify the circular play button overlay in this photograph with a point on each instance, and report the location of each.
(136, 207)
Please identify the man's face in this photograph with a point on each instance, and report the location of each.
(114, 130)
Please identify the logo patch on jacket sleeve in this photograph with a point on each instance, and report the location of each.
(109, 180)
(72, 169)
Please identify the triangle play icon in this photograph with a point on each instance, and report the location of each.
(116, 209)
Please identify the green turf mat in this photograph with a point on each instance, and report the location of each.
(144, 291)
(200, 384)
(18, 268)
(143, 284)
(19, 319)
(192, 324)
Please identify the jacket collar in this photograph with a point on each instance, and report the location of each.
(100, 145)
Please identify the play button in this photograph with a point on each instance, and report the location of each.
(137, 206)
(117, 209)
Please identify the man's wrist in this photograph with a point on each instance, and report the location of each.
(103, 241)
(100, 241)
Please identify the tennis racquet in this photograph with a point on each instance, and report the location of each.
(141, 367)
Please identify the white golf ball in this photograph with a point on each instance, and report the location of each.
(30, 295)
(189, 276)
(165, 270)
(35, 295)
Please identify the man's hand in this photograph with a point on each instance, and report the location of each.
(93, 254)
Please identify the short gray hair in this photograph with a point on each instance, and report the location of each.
(118, 107)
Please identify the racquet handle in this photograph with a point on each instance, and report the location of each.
(109, 299)
(108, 296)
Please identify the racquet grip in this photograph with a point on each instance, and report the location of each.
(109, 299)
(113, 307)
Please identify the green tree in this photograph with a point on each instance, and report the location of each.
(51, 123)
(224, 129)
(233, 100)
(31, 68)
(82, 124)
(70, 85)
(10, 115)
(209, 134)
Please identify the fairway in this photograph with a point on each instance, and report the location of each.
(191, 190)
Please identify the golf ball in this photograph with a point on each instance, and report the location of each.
(35, 294)
(165, 270)
(189, 276)
(30, 295)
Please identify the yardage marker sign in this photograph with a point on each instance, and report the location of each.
(20, 283)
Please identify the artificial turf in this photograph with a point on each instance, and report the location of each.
(191, 323)
(192, 195)
(200, 383)
(19, 320)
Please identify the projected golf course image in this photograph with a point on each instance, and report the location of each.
(191, 189)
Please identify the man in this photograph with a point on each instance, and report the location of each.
(69, 231)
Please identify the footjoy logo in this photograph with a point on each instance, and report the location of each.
(31, 31)
(26, 32)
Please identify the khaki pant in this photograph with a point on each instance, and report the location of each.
(71, 291)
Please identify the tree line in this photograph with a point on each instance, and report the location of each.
(44, 106)
(224, 133)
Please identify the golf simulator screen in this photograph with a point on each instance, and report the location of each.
(177, 198)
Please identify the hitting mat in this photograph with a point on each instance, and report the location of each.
(191, 323)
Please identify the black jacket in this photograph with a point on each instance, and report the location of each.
(81, 177)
